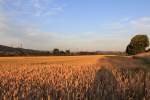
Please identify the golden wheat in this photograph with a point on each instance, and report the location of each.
(70, 78)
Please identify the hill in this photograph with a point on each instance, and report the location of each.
(11, 51)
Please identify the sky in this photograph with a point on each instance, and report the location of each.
(78, 25)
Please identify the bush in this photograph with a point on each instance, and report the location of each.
(138, 44)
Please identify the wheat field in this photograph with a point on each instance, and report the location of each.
(73, 78)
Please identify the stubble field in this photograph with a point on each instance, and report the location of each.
(74, 78)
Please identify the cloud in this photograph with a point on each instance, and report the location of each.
(7, 30)
(32, 7)
(13, 31)
(29, 36)
(127, 27)
(116, 35)
(141, 25)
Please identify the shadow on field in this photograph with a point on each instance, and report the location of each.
(132, 84)
(104, 86)
(122, 79)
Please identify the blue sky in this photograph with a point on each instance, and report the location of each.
(73, 24)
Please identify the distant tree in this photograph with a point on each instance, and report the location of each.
(68, 52)
(56, 51)
(138, 44)
(62, 52)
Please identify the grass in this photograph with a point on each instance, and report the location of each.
(74, 78)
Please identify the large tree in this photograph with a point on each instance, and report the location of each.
(138, 44)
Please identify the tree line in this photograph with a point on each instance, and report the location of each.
(138, 44)
(57, 52)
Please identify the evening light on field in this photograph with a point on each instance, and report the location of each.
(74, 50)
